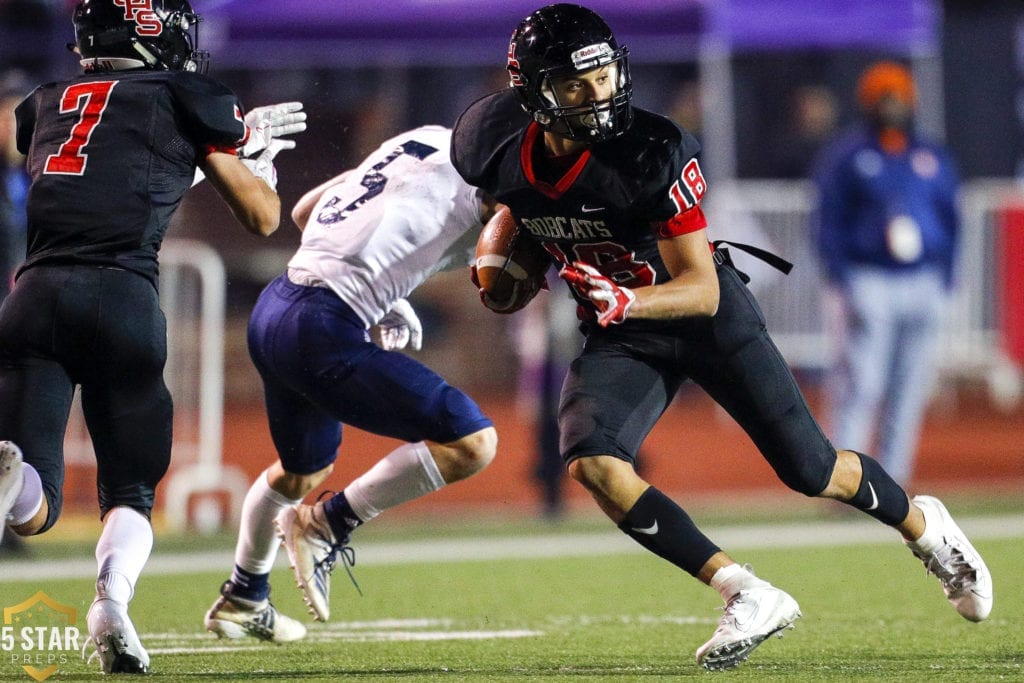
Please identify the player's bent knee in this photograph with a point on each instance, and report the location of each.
(297, 486)
(474, 452)
(808, 480)
(596, 473)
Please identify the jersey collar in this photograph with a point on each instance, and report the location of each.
(533, 132)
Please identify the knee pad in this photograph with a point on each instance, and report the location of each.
(809, 475)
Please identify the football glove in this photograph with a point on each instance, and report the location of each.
(273, 121)
(263, 165)
(400, 327)
(611, 300)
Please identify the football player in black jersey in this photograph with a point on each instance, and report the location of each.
(614, 193)
(110, 155)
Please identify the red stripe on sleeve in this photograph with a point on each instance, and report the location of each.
(684, 223)
(226, 149)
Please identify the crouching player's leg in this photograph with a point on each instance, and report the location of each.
(316, 536)
(244, 607)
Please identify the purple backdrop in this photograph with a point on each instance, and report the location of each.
(303, 32)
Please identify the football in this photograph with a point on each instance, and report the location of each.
(509, 271)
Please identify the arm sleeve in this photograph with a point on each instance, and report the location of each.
(678, 188)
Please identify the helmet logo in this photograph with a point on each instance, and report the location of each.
(591, 56)
(147, 22)
(515, 74)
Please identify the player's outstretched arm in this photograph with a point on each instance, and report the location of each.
(253, 200)
(267, 123)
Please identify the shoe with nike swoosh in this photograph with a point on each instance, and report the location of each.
(964, 576)
(751, 616)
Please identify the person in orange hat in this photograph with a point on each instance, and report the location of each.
(887, 236)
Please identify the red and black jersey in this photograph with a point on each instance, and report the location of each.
(608, 207)
(110, 156)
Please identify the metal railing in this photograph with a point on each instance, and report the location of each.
(777, 215)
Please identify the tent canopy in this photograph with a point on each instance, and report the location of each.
(265, 33)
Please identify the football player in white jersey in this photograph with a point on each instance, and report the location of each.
(370, 236)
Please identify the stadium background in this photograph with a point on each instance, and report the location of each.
(727, 69)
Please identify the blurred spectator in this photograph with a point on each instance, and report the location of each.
(685, 107)
(814, 115)
(888, 232)
(547, 339)
(13, 183)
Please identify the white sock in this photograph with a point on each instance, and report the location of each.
(257, 544)
(931, 540)
(404, 474)
(733, 578)
(28, 502)
(121, 553)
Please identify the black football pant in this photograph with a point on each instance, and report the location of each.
(628, 375)
(101, 328)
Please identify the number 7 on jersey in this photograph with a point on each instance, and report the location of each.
(70, 159)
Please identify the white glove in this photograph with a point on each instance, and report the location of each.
(263, 165)
(264, 124)
(400, 327)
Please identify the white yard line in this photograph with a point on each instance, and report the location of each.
(611, 542)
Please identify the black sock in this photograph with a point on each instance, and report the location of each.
(879, 495)
(255, 587)
(664, 528)
(340, 516)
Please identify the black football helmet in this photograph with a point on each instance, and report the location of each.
(559, 41)
(159, 34)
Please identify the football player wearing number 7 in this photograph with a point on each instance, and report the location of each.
(110, 155)
(614, 192)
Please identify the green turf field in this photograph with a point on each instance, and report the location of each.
(617, 614)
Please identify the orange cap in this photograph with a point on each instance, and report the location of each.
(885, 78)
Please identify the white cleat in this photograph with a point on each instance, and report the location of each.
(312, 553)
(751, 616)
(236, 617)
(965, 579)
(11, 480)
(113, 635)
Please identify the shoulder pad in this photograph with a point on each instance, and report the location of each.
(210, 111)
(653, 148)
(483, 132)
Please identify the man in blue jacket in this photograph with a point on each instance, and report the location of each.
(887, 238)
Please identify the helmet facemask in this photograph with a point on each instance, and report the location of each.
(590, 121)
(562, 42)
(184, 24)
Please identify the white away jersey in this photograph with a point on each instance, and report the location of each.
(397, 218)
